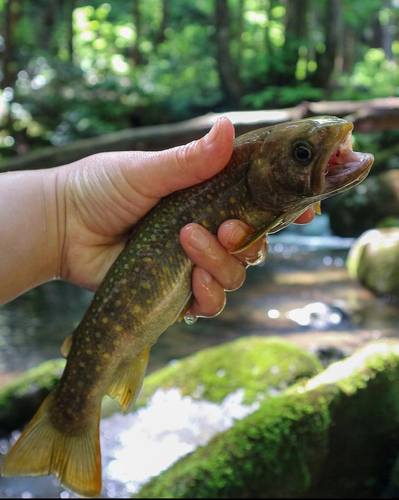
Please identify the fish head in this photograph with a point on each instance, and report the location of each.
(299, 163)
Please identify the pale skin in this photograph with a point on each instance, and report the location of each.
(71, 222)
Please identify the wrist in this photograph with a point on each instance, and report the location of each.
(29, 227)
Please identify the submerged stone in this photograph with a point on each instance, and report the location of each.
(374, 261)
(21, 398)
(366, 205)
(335, 435)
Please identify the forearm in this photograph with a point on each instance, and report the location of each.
(29, 239)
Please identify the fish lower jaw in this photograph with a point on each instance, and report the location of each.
(340, 177)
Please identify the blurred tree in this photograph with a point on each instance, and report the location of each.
(12, 15)
(227, 68)
(326, 59)
(161, 35)
(136, 55)
(296, 34)
(91, 67)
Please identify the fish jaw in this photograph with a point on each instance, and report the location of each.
(341, 168)
(346, 168)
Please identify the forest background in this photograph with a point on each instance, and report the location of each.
(73, 69)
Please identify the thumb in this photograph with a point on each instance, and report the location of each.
(167, 171)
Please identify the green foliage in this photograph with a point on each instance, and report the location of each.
(373, 76)
(284, 96)
(126, 71)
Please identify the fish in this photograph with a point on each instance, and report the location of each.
(274, 175)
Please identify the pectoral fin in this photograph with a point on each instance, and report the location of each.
(184, 309)
(317, 207)
(128, 380)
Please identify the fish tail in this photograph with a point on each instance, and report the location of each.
(43, 449)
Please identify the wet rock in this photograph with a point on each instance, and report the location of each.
(329, 354)
(363, 207)
(257, 365)
(374, 261)
(333, 436)
(20, 399)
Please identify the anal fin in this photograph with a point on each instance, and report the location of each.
(127, 382)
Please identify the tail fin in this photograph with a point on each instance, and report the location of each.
(42, 449)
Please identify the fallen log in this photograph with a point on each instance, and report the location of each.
(368, 116)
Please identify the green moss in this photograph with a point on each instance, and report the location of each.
(20, 399)
(274, 452)
(256, 364)
(336, 435)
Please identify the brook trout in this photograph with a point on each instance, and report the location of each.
(274, 175)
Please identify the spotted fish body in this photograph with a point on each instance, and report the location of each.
(273, 176)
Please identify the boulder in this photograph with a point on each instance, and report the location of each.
(374, 261)
(257, 365)
(21, 398)
(335, 435)
(363, 207)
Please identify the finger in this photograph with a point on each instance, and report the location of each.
(205, 251)
(163, 172)
(233, 233)
(306, 217)
(209, 295)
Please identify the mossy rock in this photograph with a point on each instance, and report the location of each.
(374, 261)
(335, 436)
(20, 399)
(258, 365)
(366, 205)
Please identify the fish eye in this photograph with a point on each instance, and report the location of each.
(303, 153)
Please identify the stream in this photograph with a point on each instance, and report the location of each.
(302, 293)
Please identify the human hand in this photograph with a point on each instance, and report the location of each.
(101, 197)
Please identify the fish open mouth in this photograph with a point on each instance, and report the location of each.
(346, 167)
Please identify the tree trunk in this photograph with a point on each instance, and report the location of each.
(228, 71)
(136, 55)
(12, 14)
(327, 60)
(296, 31)
(50, 20)
(387, 31)
(164, 21)
(349, 50)
(70, 6)
(240, 29)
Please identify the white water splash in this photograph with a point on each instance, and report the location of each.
(140, 445)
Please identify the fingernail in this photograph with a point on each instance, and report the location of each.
(199, 240)
(238, 236)
(212, 134)
(204, 277)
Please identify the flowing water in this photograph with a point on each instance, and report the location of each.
(302, 293)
